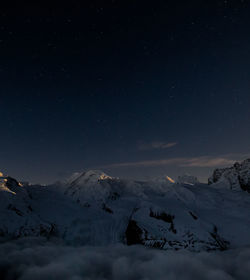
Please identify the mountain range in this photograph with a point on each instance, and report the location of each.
(93, 208)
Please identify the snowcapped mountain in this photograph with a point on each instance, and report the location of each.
(96, 186)
(96, 209)
(236, 177)
(90, 185)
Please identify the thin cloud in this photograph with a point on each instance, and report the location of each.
(147, 163)
(157, 145)
(203, 161)
(208, 162)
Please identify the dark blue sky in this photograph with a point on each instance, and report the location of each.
(136, 89)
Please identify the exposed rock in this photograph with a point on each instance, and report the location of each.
(164, 217)
(236, 177)
(134, 234)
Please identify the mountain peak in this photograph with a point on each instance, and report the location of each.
(88, 177)
(236, 177)
(91, 184)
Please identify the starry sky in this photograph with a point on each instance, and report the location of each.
(135, 88)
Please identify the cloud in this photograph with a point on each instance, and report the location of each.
(208, 162)
(156, 145)
(29, 259)
(147, 163)
(203, 161)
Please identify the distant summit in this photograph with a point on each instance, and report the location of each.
(88, 177)
(90, 185)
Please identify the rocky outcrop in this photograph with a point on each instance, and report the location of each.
(236, 177)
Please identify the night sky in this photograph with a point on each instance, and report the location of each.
(135, 88)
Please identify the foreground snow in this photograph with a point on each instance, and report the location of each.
(92, 208)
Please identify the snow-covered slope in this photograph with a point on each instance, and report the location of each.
(90, 185)
(236, 177)
(17, 217)
(96, 209)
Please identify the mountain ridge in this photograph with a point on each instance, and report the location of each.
(97, 209)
